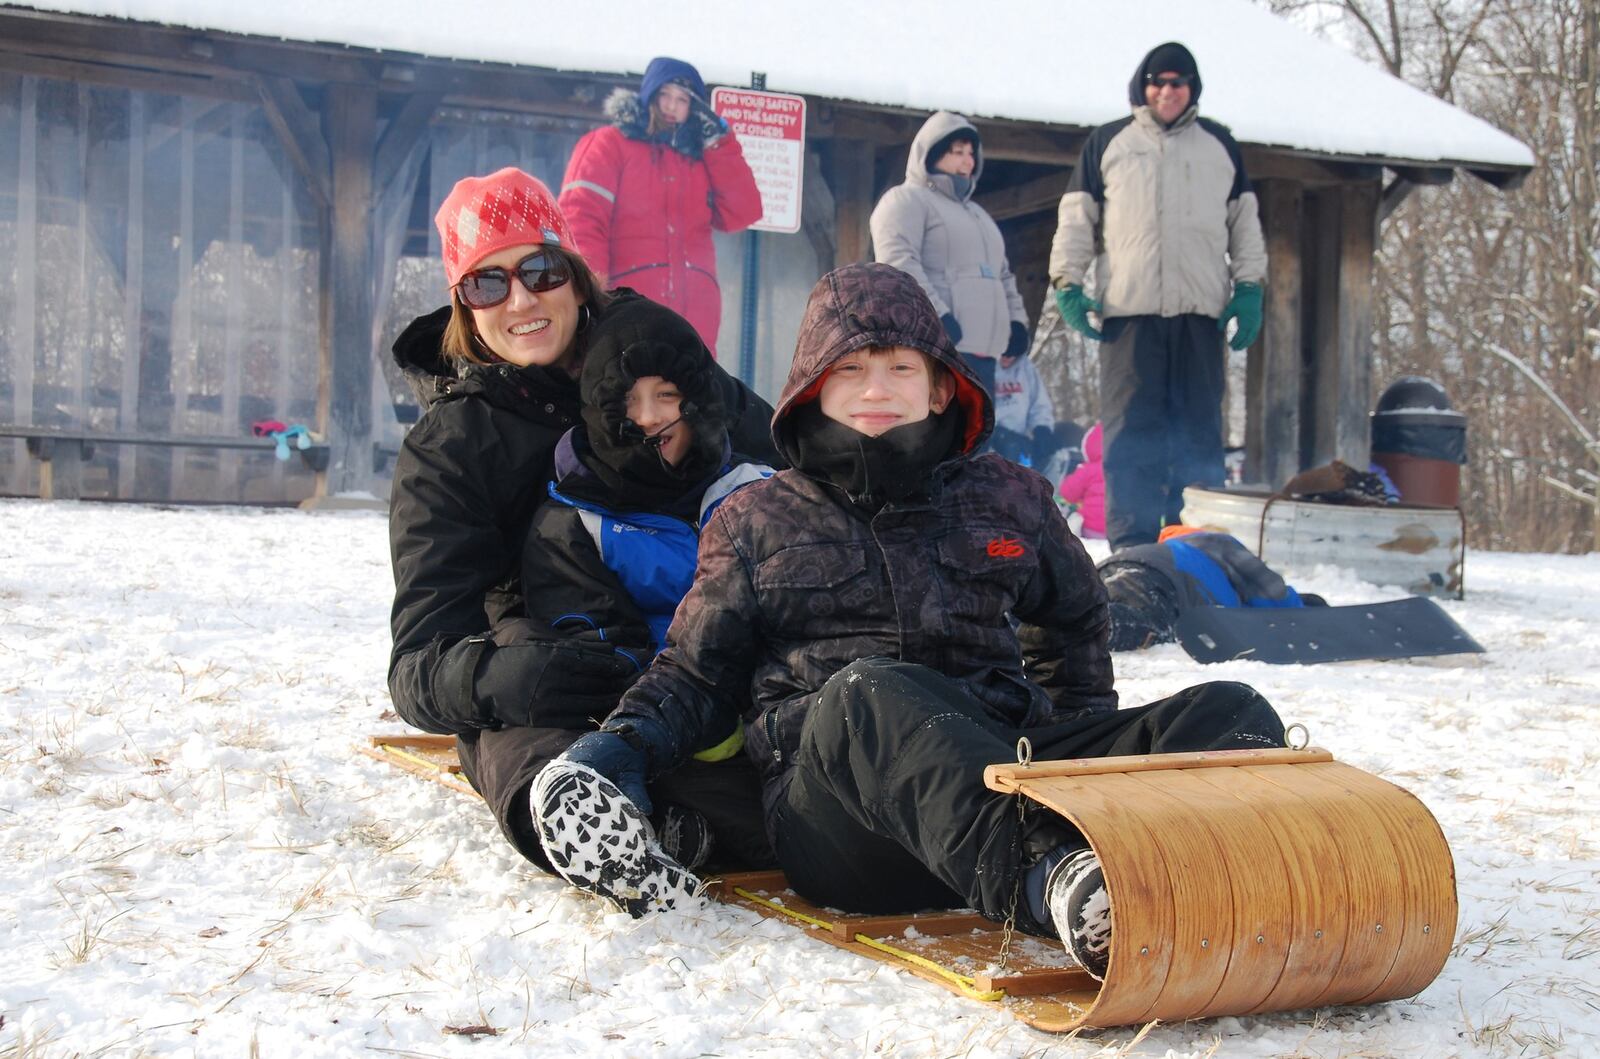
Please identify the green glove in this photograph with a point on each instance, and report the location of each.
(1244, 306)
(1076, 306)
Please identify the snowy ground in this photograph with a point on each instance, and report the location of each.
(195, 862)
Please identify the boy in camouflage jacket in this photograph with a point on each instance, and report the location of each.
(855, 611)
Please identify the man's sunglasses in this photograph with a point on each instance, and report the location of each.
(488, 287)
(1175, 81)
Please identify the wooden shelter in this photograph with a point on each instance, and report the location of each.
(210, 228)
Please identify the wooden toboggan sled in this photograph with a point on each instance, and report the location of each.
(1241, 882)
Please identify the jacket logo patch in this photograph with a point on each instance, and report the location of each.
(1005, 548)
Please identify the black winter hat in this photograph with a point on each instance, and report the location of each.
(632, 339)
(1170, 57)
(942, 148)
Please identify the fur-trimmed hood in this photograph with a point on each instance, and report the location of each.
(628, 113)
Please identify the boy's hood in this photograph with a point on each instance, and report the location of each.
(873, 305)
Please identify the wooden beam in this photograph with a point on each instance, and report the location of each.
(849, 123)
(123, 77)
(404, 130)
(1344, 237)
(214, 53)
(350, 119)
(817, 211)
(1273, 373)
(1040, 193)
(1394, 194)
(1424, 175)
(1016, 143)
(1352, 441)
(850, 175)
(1503, 179)
(1271, 163)
(297, 128)
(1319, 405)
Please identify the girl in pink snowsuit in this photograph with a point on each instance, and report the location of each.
(1085, 488)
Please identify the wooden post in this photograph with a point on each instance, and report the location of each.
(1321, 291)
(1276, 363)
(851, 177)
(1352, 441)
(344, 391)
(1344, 232)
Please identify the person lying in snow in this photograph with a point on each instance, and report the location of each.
(852, 612)
(1151, 585)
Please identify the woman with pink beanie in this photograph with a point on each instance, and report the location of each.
(1085, 488)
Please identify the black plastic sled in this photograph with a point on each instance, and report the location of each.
(1414, 627)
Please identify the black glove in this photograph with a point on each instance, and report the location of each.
(951, 328)
(713, 126)
(1044, 447)
(554, 683)
(687, 139)
(1018, 346)
(1008, 443)
(617, 760)
(621, 753)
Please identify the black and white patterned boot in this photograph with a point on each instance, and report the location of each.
(1076, 892)
(599, 841)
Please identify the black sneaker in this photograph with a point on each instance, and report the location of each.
(1076, 893)
(599, 841)
(684, 835)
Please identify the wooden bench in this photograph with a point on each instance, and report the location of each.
(62, 452)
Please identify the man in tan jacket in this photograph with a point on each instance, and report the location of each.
(1161, 207)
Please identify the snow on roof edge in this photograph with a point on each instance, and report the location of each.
(1321, 100)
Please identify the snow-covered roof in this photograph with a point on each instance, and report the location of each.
(1034, 60)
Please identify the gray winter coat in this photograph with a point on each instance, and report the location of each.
(1167, 216)
(944, 240)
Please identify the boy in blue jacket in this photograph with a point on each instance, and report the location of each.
(608, 557)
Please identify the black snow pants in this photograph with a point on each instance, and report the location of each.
(884, 807)
(501, 764)
(1161, 382)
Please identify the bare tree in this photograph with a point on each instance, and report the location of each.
(1496, 294)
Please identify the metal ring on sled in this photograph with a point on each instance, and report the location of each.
(1252, 880)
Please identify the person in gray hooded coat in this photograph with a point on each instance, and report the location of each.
(930, 228)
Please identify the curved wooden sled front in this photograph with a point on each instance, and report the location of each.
(1251, 880)
(1240, 881)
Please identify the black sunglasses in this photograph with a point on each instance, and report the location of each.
(1175, 81)
(488, 287)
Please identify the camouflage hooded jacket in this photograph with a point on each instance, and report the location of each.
(796, 579)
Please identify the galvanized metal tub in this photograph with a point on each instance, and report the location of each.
(1421, 549)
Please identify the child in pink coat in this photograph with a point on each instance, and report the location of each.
(1085, 488)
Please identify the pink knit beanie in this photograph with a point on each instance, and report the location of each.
(484, 215)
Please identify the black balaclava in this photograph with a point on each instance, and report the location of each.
(892, 467)
(962, 184)
(1170, 57)
(631, 340)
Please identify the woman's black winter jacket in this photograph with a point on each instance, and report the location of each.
(467, 480)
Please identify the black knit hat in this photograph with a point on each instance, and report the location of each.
(633, 339)
(1170, 57)
(942, 148)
